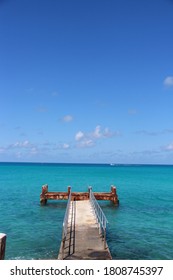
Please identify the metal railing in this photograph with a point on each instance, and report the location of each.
(100, 216)
(65, 224)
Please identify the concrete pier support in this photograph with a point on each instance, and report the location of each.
(43, 199)
(114, 198)
(2, 245)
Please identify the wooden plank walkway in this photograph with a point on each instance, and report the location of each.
(83, 240)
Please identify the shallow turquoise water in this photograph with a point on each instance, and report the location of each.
(140, 228)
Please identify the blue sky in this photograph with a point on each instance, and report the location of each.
(88, 81)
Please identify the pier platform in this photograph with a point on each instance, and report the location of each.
(84, 227)
(47, 195)
(83, 241)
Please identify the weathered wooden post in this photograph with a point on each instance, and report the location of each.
(114, 195)
(3, 238)
(43, 199)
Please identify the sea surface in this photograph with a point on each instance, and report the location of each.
(141, 228)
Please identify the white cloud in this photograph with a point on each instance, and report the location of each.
(169, 147)
(23, 144)
(168, 81)
(103, 133)
(154, 133)
(88, 139)
(79, 135)
(20, 150)
(97, 132)
(86, 143)
(67, 118)
(107, 133)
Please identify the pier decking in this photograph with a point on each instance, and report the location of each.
(84, 225)
(83, 240)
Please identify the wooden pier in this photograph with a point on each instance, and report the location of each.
(84, 225)
(46, 195)
(84, 240)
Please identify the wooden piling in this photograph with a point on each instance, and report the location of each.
(3, 238)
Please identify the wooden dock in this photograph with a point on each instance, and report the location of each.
(83, 242)
(84, 225)
(46, 195)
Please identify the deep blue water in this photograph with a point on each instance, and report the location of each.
(140, 228)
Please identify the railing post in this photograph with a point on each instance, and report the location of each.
(63, 247)
(89, 190)
(3, 238)
(65, 224)
(104, 237)
(69, 190)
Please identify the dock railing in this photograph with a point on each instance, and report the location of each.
(100, 216)
(65, 224)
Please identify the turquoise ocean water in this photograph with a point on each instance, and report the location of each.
(140, 228)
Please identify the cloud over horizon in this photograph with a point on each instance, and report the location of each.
(168, 147)
(88, 139)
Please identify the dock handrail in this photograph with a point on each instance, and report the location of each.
(101, 218)
(65, 223)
